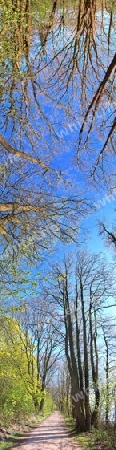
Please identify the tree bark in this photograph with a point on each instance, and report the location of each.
(41, 407)
(86, 367)
(77, 402)
(94, 366)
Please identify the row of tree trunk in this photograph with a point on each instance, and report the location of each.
(80, 311)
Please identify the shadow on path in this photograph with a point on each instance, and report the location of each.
(51, 435)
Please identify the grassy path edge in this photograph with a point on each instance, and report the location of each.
(100, 439)
(13, 437)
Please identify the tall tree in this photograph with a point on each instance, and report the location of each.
(40, 340)
(81, 305)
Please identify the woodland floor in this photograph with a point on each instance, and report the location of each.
(51, 434)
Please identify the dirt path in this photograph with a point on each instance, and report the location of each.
(51, 434)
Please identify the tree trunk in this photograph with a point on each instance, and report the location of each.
(36, 403)
(107, 382)
(94, 365)
(86, 367)
(41, 407)
(76, 395)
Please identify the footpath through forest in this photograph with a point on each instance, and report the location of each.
(51, 434)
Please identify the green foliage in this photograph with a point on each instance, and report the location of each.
(42, 8)
(95, 439)
(20, 391)
(49, 404)
(98, 439)
(108, 396)
(5, 445)
(111, 5)
(15, 384)
(13, 21)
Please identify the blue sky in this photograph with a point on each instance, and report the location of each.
(62, 152)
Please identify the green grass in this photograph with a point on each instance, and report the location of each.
(5, 445)
(95, 439)
(69, 422)
(25, 424)
(12, 438)
(8, 443)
